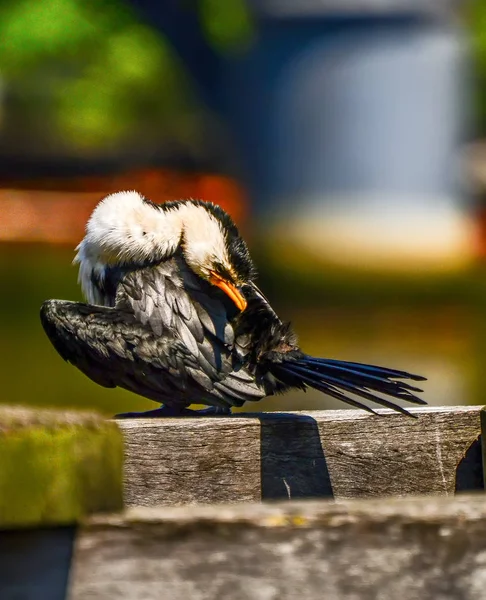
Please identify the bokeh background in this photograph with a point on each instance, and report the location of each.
(345, 138)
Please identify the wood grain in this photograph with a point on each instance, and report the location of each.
(414, 548)
(340, 454)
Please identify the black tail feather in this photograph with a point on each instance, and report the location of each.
(391, 388)
(381, 384)
(381, 371)
(335, 378)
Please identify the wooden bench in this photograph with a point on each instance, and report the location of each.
(363, 506)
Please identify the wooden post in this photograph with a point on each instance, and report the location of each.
(340, 454)
(55, 468)
(427, 548)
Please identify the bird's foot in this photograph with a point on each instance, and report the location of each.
(156, 413)
(169, 411)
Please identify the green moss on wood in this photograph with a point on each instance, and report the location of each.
(56, 467)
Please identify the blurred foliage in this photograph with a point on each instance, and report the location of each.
(90, 73)
(104, 70)
(475, 21)
(228, 26)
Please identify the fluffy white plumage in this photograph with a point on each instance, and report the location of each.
(125, 229)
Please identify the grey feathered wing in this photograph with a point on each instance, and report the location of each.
(168, 338)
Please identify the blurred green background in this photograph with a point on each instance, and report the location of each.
(84, 78)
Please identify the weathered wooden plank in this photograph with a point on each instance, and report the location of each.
(182, 461)
(343, 453)
(57, 466)
(414, 548)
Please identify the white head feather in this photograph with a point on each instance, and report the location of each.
(126, 229)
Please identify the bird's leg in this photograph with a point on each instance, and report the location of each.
(169, 411)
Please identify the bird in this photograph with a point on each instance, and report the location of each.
(173, 313)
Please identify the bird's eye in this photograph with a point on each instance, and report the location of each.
(223, 272)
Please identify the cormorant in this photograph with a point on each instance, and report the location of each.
(174, 315)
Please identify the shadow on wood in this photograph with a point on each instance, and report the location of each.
(469, 472)
(34, 564)
(293, 464)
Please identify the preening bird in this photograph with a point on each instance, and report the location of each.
(174, 315)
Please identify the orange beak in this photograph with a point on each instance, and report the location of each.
(229, 289)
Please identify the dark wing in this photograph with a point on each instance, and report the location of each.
(112, 349)
(157, 341)
(170, 298)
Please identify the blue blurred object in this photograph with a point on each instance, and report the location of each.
(349, 121)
